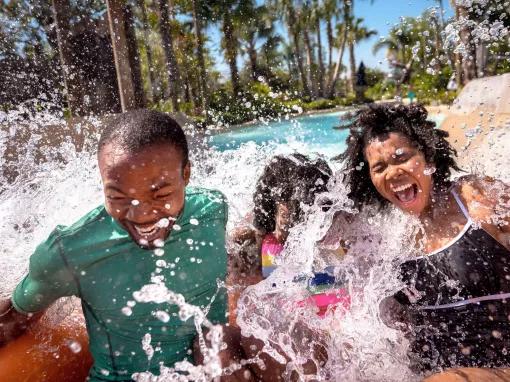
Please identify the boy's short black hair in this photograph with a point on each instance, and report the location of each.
(138, 129)
(377, 121)
(289, 179)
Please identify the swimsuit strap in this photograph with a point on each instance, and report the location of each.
(461, 205)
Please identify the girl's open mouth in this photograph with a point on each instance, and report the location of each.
(405, 193)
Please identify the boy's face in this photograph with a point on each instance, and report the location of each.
(144, 191)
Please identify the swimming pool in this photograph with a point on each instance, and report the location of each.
(315, 131)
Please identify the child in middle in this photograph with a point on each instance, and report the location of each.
(286, 185)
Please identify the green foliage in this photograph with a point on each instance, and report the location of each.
(381, 90)
(431, 88)
(257, 101)
(320, 104)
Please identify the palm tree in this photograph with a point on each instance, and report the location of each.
(341, 41)
(307, 23)
(168, 48)
(256, 24)
(331, 11)
(398, 44)
(317, 17)
(148, 49)
(356, 33)
(291, 17)
(197, 13)
(227, 11)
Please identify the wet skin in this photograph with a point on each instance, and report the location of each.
(400, 173)
(282, 222)
(143, 189)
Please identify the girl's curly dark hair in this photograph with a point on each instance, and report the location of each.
(292, 179)
(378, 120)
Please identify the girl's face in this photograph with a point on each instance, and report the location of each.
(400, 172)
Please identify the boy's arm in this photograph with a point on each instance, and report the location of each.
(13, 323)
(48, 279)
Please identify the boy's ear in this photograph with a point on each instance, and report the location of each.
(186, 173)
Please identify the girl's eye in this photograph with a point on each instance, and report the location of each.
(378, 169)
(163, 196)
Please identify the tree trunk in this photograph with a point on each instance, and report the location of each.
(468, 59)
(299, 63)
(329, 29)
(146, 35)
(134, 57)
(197, 26)
(168, 48)
(61, 12)
(352, 65)
(320, 62)
(117, 23)
(310, 62)
(231, 51)
(351, 42)
(252, 56)
(338, 66)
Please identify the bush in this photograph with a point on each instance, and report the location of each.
(257, 101)
(382, 90)
(320, 104)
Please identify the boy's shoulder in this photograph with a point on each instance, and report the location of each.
(96, 216)
(202, 202)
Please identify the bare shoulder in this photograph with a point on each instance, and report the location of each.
(484, 189)
(487, 200)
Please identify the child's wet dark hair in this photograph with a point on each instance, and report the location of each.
(292, 179)
(138, 129)
(377, 121)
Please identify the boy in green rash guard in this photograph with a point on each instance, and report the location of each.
(151, 224)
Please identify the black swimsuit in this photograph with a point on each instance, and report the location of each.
(460, 299)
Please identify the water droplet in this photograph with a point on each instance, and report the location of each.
(75, 347)
(162, 316)
(159, 252)
(127, 311)
(163, 223)
(135, 202)
(193, 221)
(161, 263)
(158, 243)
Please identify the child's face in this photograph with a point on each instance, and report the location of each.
(282, 221)
(144, 191)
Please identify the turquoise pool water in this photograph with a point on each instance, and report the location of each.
(314, 131)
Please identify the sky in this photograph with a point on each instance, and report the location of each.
(379, 15)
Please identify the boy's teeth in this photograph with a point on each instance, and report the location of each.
(145, 231)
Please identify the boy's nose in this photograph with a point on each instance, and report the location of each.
(141, 213)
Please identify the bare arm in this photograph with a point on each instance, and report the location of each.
(244, 264)
(488, 202)
(13, 323)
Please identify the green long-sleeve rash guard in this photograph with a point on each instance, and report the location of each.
(96, 260)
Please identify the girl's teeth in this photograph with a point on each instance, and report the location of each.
(402, 188)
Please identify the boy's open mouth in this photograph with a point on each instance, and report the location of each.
(147, 234)
(405, 193)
